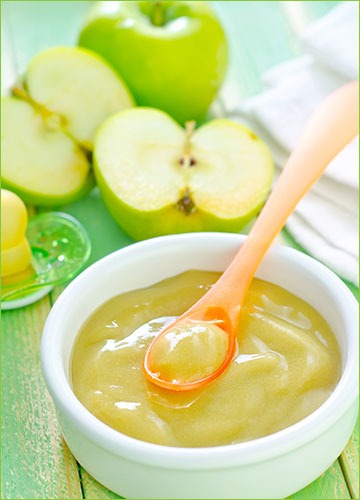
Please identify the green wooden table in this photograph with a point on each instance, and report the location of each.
(36, 462)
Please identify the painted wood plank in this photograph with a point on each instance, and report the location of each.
(105, 235)
(349, 461)
(331, 485)
(93, 490)
(35, 461)
(37, 25)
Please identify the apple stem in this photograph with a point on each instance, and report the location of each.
(157, 14)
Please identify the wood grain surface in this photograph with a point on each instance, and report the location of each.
(36, 462)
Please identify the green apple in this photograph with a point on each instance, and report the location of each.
(157, 178)
(172, 55)
(48, 125)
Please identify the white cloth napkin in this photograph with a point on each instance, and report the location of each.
(325, 222)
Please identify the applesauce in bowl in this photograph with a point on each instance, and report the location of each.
(287, 364)
(254, 468)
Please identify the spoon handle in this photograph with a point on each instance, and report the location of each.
(332, 125)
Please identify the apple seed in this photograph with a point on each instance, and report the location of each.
(190, 163)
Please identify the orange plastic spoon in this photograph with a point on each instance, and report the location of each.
(333, 124)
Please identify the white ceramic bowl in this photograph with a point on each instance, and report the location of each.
(271, 467)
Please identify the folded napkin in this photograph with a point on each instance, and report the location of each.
(325, 222)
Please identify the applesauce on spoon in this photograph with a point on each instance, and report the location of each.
(191, 351)
(286, 365)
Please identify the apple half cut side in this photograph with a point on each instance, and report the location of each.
(49, 124)
(79, 86)
(157, 178)
(42, 166)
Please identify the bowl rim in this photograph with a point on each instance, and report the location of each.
(257, 450)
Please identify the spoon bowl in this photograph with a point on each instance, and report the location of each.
(330, 128)
(217, 319)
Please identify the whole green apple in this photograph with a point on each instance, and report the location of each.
(172, 55)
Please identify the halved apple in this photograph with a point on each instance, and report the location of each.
(79, 86)
(44, 165)
(157, 178)
(49, 124)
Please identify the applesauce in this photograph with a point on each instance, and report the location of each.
(286, 365)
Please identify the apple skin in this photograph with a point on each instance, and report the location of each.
(176, 67)
(42, 199)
